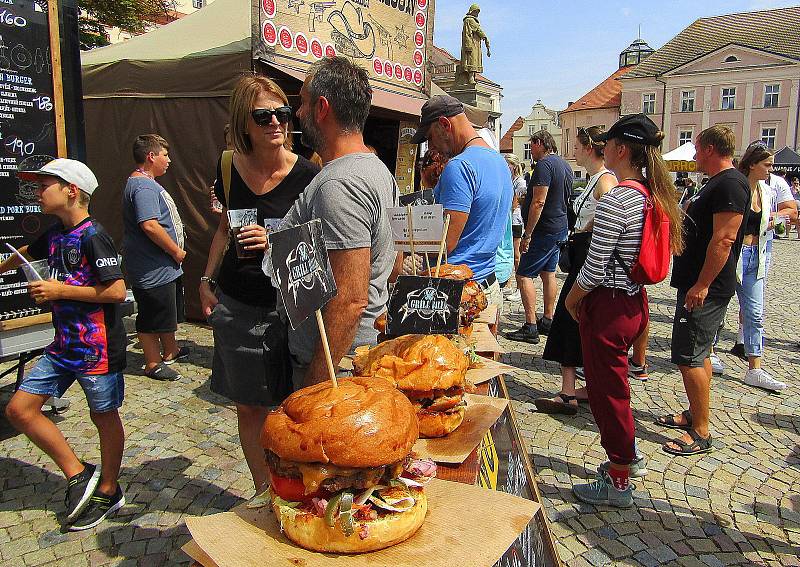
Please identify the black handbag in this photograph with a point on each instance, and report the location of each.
(277, 358)
(564, 259)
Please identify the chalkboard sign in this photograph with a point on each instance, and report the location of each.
(424, 306)
(29, 103)
(300, 264)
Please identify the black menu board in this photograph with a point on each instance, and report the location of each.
(27, 136)
(421, 305)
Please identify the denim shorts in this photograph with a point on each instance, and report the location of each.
(104, 392)
(542, 255)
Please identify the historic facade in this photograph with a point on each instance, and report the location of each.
(742, 70)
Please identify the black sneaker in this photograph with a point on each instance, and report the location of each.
(183, 353)
(543, 325)
(638, 372)
(738, 351)
(526, 334)
(162, 372)
(79, 489)
(99, 507)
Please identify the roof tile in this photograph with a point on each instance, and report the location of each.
(607, 94)
(507, 141)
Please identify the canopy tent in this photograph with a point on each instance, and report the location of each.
(787, 160)
(681, 158)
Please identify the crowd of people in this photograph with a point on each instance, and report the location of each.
(499, 224)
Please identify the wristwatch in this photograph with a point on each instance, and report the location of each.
(211, 281)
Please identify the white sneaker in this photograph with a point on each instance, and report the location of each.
(516, 296)
(759, 378)
(717, 366)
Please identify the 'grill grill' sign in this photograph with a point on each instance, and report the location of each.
(301, 269)
(424, 306)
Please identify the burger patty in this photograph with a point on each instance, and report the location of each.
(338, 478)
(437, 400)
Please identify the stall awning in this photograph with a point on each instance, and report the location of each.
(681, 158)
(787, 160)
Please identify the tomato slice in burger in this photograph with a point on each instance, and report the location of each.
(291, 489)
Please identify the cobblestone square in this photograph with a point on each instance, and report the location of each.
(739, 505)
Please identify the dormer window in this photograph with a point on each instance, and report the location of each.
(731, 59)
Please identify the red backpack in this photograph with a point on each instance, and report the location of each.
(652, 265)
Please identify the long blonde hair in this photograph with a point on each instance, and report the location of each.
(659, 181)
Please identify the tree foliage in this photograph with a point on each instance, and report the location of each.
(133, 16)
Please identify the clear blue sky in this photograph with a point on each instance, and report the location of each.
(558, 51)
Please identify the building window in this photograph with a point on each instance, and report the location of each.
(198, 4)
(729, 98)
(768, 136)
(567, 148)
(527, 153)
(771, 94)
(685, 136)
(531, 130)
(731, 59)
(544, 127)
(687, 101)
(649, 103)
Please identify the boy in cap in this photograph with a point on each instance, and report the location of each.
(89, 346)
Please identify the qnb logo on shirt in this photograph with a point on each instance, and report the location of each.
(106, 262)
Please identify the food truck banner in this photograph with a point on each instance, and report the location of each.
(302, 271)
(27, 135)
(387, 37)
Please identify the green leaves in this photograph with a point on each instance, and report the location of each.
(132, 16)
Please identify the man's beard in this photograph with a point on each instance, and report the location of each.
(311, 135)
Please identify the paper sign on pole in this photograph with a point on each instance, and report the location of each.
(428, 225)
(302, 271)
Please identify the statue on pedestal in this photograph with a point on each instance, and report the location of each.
(471, 52)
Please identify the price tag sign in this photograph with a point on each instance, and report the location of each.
(428, 224)
(302, 271)
(424, 306)
(417, 198)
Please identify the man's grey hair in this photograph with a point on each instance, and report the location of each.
(346, 87)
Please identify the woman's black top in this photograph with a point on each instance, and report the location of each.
(242, 279)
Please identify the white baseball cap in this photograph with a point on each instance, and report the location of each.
(70, 170)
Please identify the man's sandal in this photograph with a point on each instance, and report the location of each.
(553, 406)
(696, 447)
(669, 421)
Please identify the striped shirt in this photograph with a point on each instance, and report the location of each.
(617, 226)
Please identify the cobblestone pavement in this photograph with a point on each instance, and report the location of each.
(738, 505)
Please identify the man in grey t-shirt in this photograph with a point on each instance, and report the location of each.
(350, 196)
(153, 250)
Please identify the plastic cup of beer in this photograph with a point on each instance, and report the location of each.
(238, 219)
(35, 271)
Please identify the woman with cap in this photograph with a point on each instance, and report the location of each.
(564, 340)
(610, 308)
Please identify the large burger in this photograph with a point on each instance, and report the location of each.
(341, 479)
(430, 370)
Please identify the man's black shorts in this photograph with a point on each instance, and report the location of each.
(159, 308)
(693, 331)
(516, 230)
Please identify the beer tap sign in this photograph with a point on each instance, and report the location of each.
(304, 277)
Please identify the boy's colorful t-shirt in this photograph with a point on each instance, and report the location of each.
(89, 337)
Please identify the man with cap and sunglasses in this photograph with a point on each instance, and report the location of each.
(474, 188)
(85, 285)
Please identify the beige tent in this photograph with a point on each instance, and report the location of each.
(174, 81)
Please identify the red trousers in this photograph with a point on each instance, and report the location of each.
(610, 320)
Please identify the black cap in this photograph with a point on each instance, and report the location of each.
(437, 106)
(634, 128)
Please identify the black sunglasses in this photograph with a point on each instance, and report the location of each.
(263, 116)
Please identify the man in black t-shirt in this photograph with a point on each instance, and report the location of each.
(705, 277)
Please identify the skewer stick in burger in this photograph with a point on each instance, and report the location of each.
(430, 370)
(341, 479)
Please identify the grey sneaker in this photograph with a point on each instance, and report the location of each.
(638, 467)
(601, 492)
(162, 372)
(183, 353)
(717, 366)
(80, 489)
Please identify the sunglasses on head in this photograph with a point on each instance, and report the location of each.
(758, 144)
(585, 132)
(263, 116)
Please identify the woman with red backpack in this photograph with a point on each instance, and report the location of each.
(637, 227)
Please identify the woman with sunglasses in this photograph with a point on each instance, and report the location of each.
(751, 271)
(564, 340)
(611, 309)
(266, 176)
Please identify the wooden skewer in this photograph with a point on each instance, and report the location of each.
(411, 240)
(443, 245)
(324, 337)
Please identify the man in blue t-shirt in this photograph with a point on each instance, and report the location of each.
(475, 189)
(545, 216)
